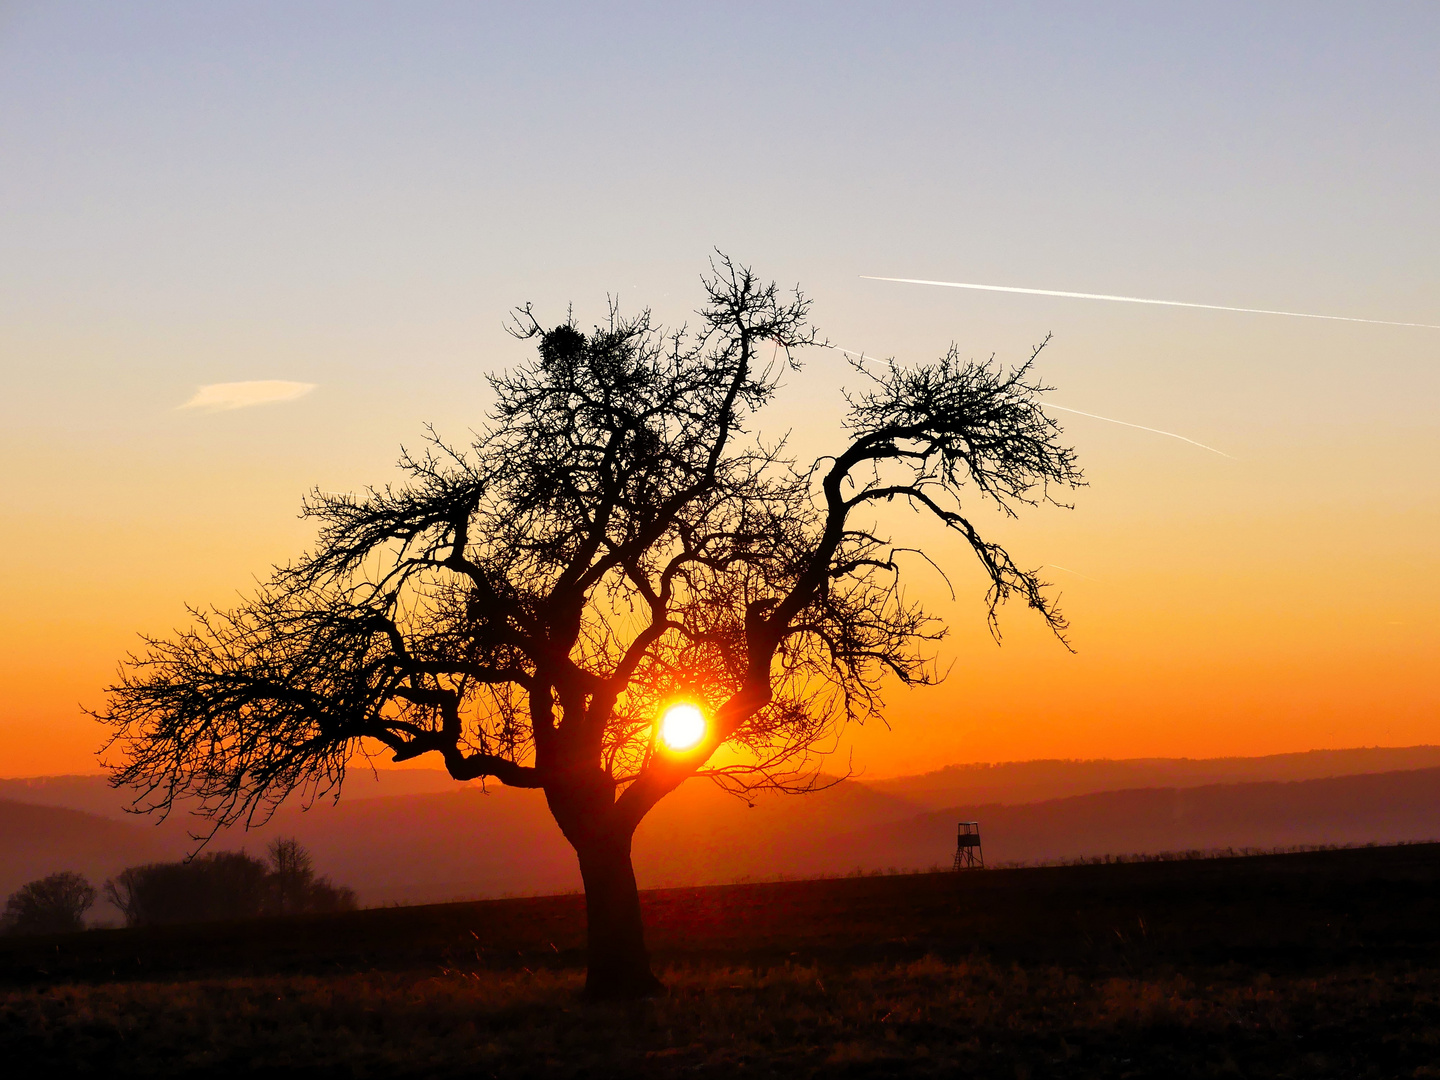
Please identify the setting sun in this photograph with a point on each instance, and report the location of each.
(682, 727)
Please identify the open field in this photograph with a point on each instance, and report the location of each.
(1311, 964)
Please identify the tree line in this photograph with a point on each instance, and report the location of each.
(215, 886)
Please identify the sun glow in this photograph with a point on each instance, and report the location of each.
(682, 727)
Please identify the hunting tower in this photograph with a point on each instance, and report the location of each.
(968, 854)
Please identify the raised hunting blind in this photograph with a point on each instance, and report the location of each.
(968, 853)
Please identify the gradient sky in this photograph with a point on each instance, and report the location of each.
(353, 195)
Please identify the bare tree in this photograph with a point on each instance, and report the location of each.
(292, 872)
(51, 905)
(294, 886)
(616, 539)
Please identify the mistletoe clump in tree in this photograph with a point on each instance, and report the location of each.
(617, 539)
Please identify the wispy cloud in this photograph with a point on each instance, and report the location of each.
(238, 395)
(1142, 300)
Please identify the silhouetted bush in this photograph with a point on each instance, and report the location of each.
(294, 886)
(225, 885)
(221, 885)
(51, 905)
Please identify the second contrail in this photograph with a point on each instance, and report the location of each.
(1142, 300)
(1051, 405)
(1137, 427)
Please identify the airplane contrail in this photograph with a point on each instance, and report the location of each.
(1139, 427)
(1093, 416)
(1143, 300)
(1077, 573)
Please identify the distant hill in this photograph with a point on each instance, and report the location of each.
(1006, 782)
(1378, 808)
(435, 847)
(466, 842)
(94, 795)
(471, 844)
(1033, 781)
(701, 835)
(39, 840)
(430, 848)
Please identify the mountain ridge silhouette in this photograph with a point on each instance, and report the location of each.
(423, 845)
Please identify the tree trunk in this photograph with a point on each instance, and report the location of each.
(619, 964)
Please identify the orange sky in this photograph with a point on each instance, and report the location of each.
(231, 196)
(1208, 621)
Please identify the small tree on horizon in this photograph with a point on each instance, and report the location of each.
(294, 888)
(55, 904)
(292, 872)
(615, 540)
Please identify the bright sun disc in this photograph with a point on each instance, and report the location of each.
(682, 727)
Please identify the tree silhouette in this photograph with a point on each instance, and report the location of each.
(51, 905)
(292, 872)
(294, 886)
(616, 539)
(226, 885)
(218, 885)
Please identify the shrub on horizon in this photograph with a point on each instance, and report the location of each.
(294, 888)
(226, 885)
(220, 885)
(50, 905)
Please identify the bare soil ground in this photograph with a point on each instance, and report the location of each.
(1301, 965)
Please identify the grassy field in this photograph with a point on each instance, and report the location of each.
(1310, 964)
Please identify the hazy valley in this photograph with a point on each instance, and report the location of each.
(415, 836)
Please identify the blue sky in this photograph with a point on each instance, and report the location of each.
(353, 195)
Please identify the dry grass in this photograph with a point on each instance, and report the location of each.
(922, 1018)
(1320, 964)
